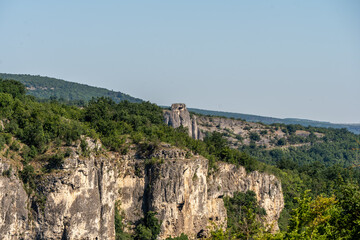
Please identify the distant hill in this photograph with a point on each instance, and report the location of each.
(355, 128)
(47, 87)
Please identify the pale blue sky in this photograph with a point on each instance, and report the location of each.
(274, 58)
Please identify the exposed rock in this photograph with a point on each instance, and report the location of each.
(81, 197)
(229, 179)
(180, 116)
(14, 216)
(187, 199)
(80, 200)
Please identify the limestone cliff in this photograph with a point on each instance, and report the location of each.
(81, 196)
(79, 202)
(14, 215)
(187, 198)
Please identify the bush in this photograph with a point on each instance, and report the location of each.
(254, 136)
(143, 233)
(15, 146)
(119, 227)
(263, 132)
(7, 173)
(181, 237)
(27, 175)
(55, 161)
(149, 227)
(84, 147)
(281, 142)
(291, 129)
(239, 138)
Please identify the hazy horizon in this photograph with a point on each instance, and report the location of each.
(278, 59)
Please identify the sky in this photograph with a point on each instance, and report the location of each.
(298, 59)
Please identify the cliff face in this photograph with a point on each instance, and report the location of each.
(186, 197)
(14, 202)
(81, 197)
(79, 203)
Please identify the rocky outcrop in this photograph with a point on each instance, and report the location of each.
(180, 116)
(81, 196)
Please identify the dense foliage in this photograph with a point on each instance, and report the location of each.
(317, 166)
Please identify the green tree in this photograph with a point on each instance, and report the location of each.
(244, 214)
(149, 227)
(119, 226)
(348, 223)
(143, 233)
(14, 88)
(181, 237)
(254, 136)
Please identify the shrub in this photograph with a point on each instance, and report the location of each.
(239, 137)
(7, 173)
(27, 175)
(119, 226)
(14, 146)
(149, 227)
(263, 132)
(55, 161)
(254, 136)
(143, 233)
(281, 142)
(84, 147)
(181, 237)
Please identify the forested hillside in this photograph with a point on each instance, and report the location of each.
(36, 137)
(46, 88)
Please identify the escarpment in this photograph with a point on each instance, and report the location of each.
(187, 199)
(74, 202)
(79, 198)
